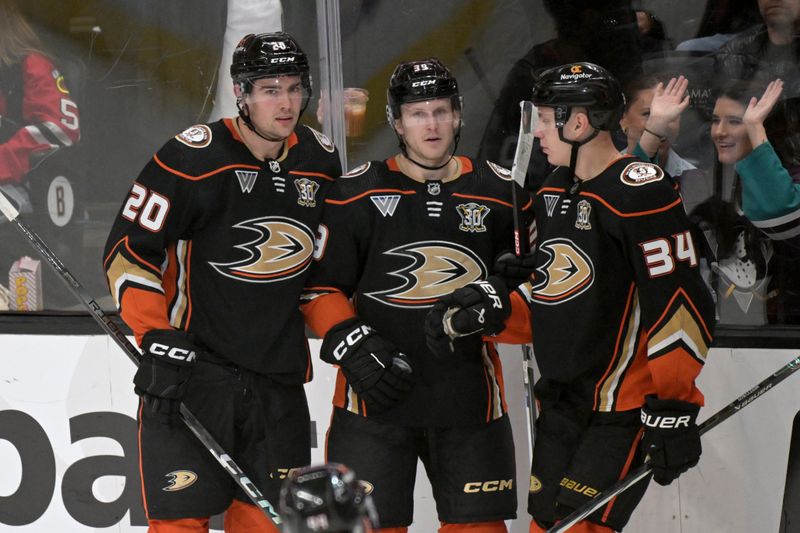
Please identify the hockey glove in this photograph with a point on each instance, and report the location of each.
(514, 270)
(671, 437)
(168, 357)
(478, 307)
(376, 370)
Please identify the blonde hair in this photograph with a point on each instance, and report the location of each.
(17, 38)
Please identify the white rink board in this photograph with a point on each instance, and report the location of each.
(76, 387)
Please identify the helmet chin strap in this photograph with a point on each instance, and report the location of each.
(573, 156)
(244, 114)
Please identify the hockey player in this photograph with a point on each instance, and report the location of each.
(206, 261)
(326, 498)
(621, 319)
(396, 235)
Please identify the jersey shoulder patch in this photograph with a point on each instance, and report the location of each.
(360, 169)
(502, 172)
(197, 136)
(323, 140)
(640, 173)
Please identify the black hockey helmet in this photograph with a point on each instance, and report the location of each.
(268, 55)
(415, 81)
(581, 85)
(326, 498)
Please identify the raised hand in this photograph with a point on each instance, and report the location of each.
(668, 103)
(758, 109)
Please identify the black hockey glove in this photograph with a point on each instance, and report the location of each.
(376, 370)
(168, 357)
(671, 437)
(478, 307)
(514, 270)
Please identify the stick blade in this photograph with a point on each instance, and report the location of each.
(528, 120)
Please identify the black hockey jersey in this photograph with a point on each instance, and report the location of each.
(217, 242)
(396, 245)
(618, 307)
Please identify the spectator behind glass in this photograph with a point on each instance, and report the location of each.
(722, 20)
(771, 200)
(38, 115)
(750, 273)
(601, 31)
(639, 98)
(38, 118)
(653, 39)
(766, 51)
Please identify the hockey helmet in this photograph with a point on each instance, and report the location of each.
(326, 498)
(581, 85)
(415, 81)
(268, 55)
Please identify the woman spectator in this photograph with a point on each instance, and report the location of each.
(639, 93)
(753, 225)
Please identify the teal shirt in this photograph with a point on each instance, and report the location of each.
(768, 191)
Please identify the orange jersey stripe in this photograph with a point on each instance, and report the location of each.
(631, 454)
(202, 176)
(635, 213)
(314, 174)
(484, 198)
(365, 193)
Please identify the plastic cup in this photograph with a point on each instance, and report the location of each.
(355, 110)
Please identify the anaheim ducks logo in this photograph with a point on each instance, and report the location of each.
(281, 250)
(179, 480)
(567, 272)
(437, 268)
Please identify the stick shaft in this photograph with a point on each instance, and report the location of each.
(122, 341)
(713, 421)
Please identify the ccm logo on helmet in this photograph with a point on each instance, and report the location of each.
(180, 354)
(423, 83)
(665, 422)
(352, 338)
(282, 60)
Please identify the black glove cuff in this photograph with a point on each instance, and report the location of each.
(668, 414)
(342, 340)
(170, 346)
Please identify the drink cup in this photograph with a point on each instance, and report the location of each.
(355, 110)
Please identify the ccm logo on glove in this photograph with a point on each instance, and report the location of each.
(665, 422)
(351, 340)
(173, 352)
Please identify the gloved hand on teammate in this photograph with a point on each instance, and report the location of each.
(514, 270)
(478, 307)
(168, 358)
(376, 370)
(671, 437)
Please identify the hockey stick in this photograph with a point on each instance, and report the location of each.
(643, 471)
(522, 155)
(122, 341)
